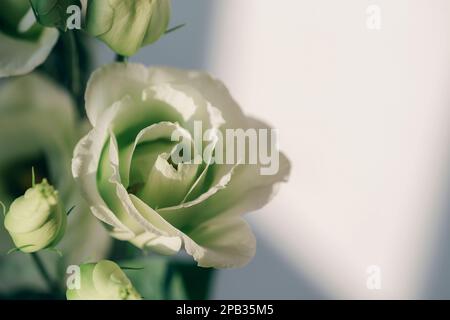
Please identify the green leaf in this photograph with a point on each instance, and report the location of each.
(53, 13)
(131, 268)
(175, 28)
(19, 248)
(3, 207)
(70, 210)
(57, 251)
(33, 177)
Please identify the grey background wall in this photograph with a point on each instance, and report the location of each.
(336, 63)
(268, 276)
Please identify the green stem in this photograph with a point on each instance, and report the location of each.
(120, 58)
(44, 273)
(72, 59)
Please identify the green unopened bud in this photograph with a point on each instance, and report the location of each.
(53, 13)
(127, 25)
(103, 281)
(36, 220)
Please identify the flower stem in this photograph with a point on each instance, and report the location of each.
(73, 62)
(44, 273)
(120, 58)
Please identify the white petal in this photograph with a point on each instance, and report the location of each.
(188, 102)
(161, 130)
(157, 234)
(221, 243)
(166, 185)
(18, 57)
(212, 90)
(84, 169)
(27, 21)
(111, 83)
(240, 191)
(159, 244)
(220, 182)
(124, 198)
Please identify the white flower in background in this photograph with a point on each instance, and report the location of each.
(38, 129)
(103, 281)
(127, 25)
(24, 43)
(125, 173)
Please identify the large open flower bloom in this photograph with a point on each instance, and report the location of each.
(126, 174)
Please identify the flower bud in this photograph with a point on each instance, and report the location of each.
(36, 220)
(103, 281)
(127, 25)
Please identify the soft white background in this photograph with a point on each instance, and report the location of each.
(363, 116)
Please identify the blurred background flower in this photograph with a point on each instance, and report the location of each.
(39, 128)
(25, 43)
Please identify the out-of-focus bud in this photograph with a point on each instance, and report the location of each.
(15, 20)
(127, 25)
(53, 13)
(36, 220)
(103, 281)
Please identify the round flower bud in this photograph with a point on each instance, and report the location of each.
(127, 25)
(103, 281)
(36, 220)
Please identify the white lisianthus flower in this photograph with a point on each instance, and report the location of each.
(127, 25)
(24, 43)
(126, 174)
(38, 128)
(103, 281)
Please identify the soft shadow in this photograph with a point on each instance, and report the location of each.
(438, 284)
(268, 276)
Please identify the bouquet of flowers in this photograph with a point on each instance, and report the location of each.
(108, 175)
